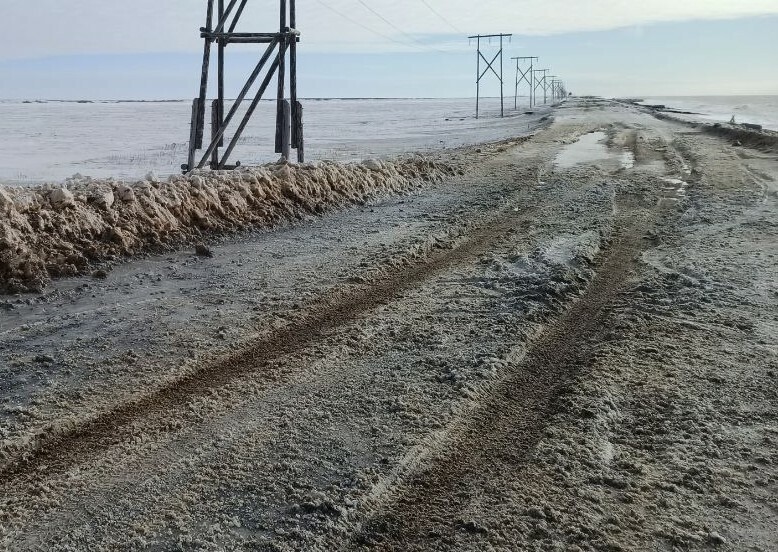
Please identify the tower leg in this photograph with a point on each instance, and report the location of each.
(198, 117)
(478, 79)
(286, 141)
(502, 89)
(216, 123)
(297, 124)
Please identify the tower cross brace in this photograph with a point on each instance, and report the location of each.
(541, 82)
(489, 65)
(552, 83)
(289, 126)
(523, 75)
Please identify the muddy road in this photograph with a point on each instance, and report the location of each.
(571, 345)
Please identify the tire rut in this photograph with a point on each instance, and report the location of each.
(496, 440)
(55, 454)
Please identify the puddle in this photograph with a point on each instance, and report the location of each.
(591, 148)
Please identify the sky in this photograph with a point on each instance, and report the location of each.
(151, 49)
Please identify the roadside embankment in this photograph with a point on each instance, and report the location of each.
(64, 230)
(742, 134)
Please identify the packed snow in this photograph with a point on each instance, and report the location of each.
(50, 141)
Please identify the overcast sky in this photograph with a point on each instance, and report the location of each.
(149, 48)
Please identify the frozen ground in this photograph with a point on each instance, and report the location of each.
(760, 110)
(570, 346)
(51, 141)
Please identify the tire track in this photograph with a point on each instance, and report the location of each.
(494, 444)
(55, 454)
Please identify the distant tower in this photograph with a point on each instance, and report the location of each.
(289, 120)
(524, 75)
(489, 67)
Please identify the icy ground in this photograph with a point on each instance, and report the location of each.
(48, 142)
(527, 354)
(760, 110)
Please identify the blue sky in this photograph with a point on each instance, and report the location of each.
(716, 53)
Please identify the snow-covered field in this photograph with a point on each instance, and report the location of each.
(51, 141)
(761, 110)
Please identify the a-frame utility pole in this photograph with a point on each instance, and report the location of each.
(557, 87)
(551, 84)
(489, 65)
(541, 82)
(289, 126)
(562, 90)
(523, 75)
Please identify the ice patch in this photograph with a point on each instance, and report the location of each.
(627, 159)
(676, 181)
(568, 250)
(677, 188)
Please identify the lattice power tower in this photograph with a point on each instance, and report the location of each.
(289, 119)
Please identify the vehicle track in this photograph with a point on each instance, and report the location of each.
(494, 442)
(76, 445)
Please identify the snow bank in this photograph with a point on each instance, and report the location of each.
(762, 139)
(52, 231)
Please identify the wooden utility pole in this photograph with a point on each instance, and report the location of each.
(285, 39)
(523, 75)
(556, 87)
(489, 65)
(551, 83)
(541, 82)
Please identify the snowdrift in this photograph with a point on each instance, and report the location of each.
(762, 139)
(52, 231)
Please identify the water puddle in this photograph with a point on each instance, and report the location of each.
(592, 148)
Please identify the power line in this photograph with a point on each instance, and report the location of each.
(440, 16)
(398, 29)
(355, 22)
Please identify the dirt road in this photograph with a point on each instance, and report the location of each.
(572, 345)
